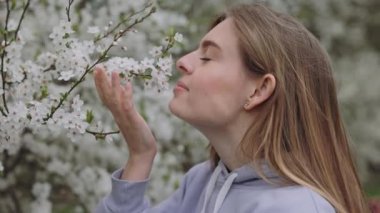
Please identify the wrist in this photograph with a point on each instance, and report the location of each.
(137, 168)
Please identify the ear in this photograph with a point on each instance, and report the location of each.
(263, 90)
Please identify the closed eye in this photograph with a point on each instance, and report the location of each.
(205, 59)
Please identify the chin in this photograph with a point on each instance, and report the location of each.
(173, 108)
(177, 110)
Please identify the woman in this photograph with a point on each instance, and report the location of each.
(261, 89)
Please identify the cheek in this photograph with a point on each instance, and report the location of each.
(219, 94)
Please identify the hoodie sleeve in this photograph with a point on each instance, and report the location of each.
(125, 196)
(128, 196)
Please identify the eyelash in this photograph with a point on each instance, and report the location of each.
(204, 59)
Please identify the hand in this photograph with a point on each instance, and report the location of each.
(140, 140)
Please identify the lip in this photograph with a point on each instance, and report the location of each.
(181, 85)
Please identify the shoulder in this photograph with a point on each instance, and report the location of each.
(293, 199)
(203, 168)
(199, 172)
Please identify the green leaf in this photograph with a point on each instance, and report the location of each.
(64, 95)
(171, 31)
(13, 4)
(166, 178)
(100, 137)
(176, 184)
(44, 91)
(75, 27)
(146, 77)
(89, 116)
(44, 2)
(3, 31)
(66, 36)
(154, 9)
(121, 75)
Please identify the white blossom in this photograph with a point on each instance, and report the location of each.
(12, 25)
(77, 104)
(66, 75)
(14, 50)
(178, 37)
(156, 51)
(165, 64)
(46, 59)
(18, 111)
(61, 30)
(147, 63)
(37, 112)
(109, 139)
(41, 190)
(41, 206)
(93, 30)
(103, 44)
(38, 65)
(59, 167)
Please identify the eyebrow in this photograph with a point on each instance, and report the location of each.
(208, 43)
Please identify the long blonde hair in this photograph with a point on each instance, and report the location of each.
(299, 130)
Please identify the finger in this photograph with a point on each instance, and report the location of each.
(126, 97)
(100, 76)
(102, 83)
(115, 84)
(128, 90)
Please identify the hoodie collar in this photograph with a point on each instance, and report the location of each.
(220, 174)
(245, 173)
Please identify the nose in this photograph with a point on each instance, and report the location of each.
(183, 64)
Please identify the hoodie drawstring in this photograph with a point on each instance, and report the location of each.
(223, 191)
(211, 186)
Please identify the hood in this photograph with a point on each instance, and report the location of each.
(240, 175)
(245, 173)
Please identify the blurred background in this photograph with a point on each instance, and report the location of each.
(72, 177)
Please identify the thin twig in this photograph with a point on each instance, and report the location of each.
(63, 98)
(3, 55)
(16, 201)
(143, 76)
(101, 134)
(122, 22)
(10, 166)
(168, 46)
(6, 43)
(5, 163)
(100, 59)
(11, 83)
(21, 19)
(51, 67)
(2, 112)
(68, 10)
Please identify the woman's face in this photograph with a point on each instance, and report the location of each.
(217, 84)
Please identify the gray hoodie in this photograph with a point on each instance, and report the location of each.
(208, 190)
